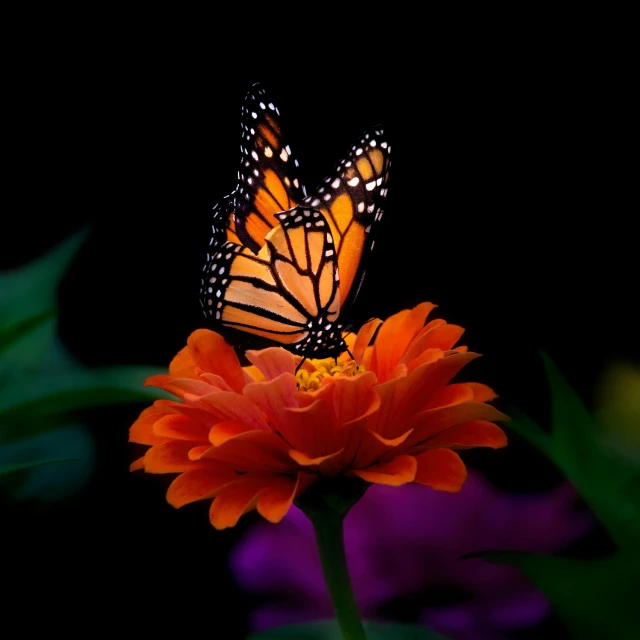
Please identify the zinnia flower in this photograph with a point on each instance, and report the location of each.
(259, 436)
(412, 556)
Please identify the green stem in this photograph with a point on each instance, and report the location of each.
(330, 539)
(326, 504)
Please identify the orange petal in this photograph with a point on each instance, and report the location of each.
(170, 457)
(198, 452)
(451, 394)
(384, 346)
(163, 381)
(272, 361)
(212, 354)
(426, 357)
(137, 464)
(236, 408)
(177, 426)
(443, 337)
(275, 501)
(371, 446)
(216, 381)
(475, 433)
(481, 392)
(321, 462)
(354, 398)
(234, 500)
(430, 423)
(273, 397)
(183, 366)
(226, 430)
(254, 451)
(141, 431)
(398, 471)
(364, 338)
(312, 429)
(441, 469)
(198, 484)
(252, 374)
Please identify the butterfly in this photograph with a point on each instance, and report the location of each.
(286, 265)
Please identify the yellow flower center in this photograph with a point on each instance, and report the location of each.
(327, 368)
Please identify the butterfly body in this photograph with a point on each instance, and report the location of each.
(282, 264)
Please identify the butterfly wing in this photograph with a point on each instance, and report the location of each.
(351, 200)
(267, 179)
(288, 292)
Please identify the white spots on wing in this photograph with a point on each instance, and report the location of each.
(298, 219)
(315, 203)
(256, 173)
(254, 155)
(271, 106)
(354, 181)
(384, 145)
(296, 184)
(358, 151)
(209, 301)
(268, 151)
(360, 207)
(327, 196)
(254, 115)
(218, 293)
(262, 105)
(284, 156)
(217, 315)
(221, 271)
(367, 229)
(373, 243)
(328, 253)
(329, 238)
(336, 183)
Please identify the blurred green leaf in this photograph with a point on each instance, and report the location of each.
(12, 467)
(575, 443)
(72, 444)
(30, 291)
(597, 599)
(27, 408)
(329, 630)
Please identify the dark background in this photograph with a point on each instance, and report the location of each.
(509, 208)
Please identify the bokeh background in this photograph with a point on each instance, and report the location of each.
(508, 207)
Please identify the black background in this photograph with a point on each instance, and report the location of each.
(509, 208)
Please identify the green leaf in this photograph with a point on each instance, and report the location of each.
(30, 291)
(29, 405)
(597, 598)
(575, 443)
(12, 467)
(329, 630)
(72, 444)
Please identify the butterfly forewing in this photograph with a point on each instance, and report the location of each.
(267, 180)
(352, 199)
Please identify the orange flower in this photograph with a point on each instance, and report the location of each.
(258, 436)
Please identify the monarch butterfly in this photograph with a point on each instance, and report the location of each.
(283, 264)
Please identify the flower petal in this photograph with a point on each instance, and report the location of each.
(254, 451)
(272, 361)
(450, 395)
(430, 423)
(178, 426)
(170, 457)
(398, 471)
(183, 366)
(481, 392)
(199, 484)
(371, 446)
(354, 398)
(364, 338)
(137, 464)
(384, 346)
(215, 381)
(235, 499)
(475, 433)
(226, 430)
(275, 501)
(441, 469)
(141, 431)
(236, 408)
(212, 354)
(273, 397)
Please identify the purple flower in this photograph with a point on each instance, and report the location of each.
(412, 551)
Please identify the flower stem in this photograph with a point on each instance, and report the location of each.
(327, 510)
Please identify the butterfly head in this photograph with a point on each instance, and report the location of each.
(324, 340)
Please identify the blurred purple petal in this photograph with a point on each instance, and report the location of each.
(403, 541)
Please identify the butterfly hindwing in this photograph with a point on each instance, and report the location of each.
(352, 199)
(288, 292)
